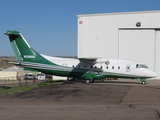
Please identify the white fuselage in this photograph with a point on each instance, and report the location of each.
(115, 67)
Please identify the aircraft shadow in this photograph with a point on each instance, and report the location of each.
(104, 82)
(118, 82)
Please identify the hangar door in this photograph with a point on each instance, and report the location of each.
(157, 58)
(137, 45)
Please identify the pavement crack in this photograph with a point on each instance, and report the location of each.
(157, 114)
(125, 95)
(66, 94)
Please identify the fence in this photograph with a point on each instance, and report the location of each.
(20, 81)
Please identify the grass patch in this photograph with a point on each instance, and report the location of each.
(18, 89)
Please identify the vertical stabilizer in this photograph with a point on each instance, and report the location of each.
(22, 49)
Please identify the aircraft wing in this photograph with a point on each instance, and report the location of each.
(88, 60)
(94, 60)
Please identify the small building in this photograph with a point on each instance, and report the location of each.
(11, 73)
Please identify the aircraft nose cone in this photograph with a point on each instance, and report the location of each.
(153, 74)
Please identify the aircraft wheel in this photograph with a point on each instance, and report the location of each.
(88, 81)
(143, 82)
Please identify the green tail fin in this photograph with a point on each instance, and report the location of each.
(22, 49)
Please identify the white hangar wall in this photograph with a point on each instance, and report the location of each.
(117, 36)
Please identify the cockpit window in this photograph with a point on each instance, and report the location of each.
(141, 66)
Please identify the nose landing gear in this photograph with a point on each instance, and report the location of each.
(143, 80)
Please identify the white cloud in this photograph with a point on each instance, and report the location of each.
(21, 26)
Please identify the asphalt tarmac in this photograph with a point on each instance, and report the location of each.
(102, 100)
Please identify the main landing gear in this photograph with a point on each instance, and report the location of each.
(88, 81)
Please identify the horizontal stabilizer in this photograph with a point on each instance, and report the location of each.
(15, 62)
(12, 32)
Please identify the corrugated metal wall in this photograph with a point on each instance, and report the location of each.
(117, 36)
(157, 53)
(93, 37)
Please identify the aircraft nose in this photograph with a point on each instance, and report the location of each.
(153, 74)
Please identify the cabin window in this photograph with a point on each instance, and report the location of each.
(128, 68)
(95, 67)
(101, 67)
(118, 67)
(112, 67)
(107, 67)
(91, 66)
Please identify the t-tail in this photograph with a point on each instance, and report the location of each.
(23, 50)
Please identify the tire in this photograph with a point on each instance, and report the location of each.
(143, 82)
(87, 81)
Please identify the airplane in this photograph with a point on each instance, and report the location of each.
(88, 69)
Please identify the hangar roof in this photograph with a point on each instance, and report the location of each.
(118, 13)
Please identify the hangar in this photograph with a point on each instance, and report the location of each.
(127, 35)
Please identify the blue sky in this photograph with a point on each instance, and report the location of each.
(50, 26)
